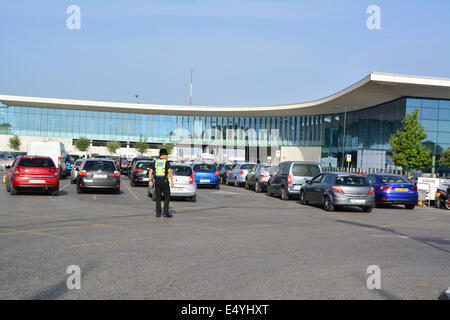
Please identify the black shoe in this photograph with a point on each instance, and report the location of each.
(168, 215)
(158, 215)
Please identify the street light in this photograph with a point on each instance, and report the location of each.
(345, 125)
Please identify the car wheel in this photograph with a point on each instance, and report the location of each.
(258, 188)
(447, 205)
(328, 205)
(367, 209)
(55, 193)
(228, 181)
(218, 186)
(8, 187)
(302, 198)
(410, 206)
(13, 190)
(284, 195)
(193, 199)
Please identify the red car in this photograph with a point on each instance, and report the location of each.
(33, 173)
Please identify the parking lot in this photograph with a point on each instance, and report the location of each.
(230, 244)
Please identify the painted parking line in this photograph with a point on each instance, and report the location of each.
(134, 195)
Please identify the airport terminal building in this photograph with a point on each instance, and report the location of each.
(358, 120)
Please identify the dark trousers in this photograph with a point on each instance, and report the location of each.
(162, 187)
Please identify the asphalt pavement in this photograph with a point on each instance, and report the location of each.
(230, 244)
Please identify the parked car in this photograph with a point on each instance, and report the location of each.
(206, 174)
(334, 189)
(76, 168)
(52, 149)
(393, 189)
(223, 172)
(133, 162)
(257, 179)
(291, 177)
(237, 176)
(139, 172)
(98, 174)
(184, 183)
(33, 173)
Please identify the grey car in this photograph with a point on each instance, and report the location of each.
(291, 177)
(258, 177)
(335, 189)
(237, 176)
(75, 170)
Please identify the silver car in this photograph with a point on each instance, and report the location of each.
(184, 183)
(334, 189)
(237, 176)
(258, 177)
(75, 170)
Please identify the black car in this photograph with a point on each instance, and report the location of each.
(139, 172)
(98, 174)
(131, 164)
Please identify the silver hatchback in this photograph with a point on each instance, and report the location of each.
(184, 183)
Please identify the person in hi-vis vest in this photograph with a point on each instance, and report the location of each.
(163, 173)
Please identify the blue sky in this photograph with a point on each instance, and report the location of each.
(242, 52)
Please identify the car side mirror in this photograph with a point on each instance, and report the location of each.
(308, 181)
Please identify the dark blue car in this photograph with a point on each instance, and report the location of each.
(393, 189)
(206, 174)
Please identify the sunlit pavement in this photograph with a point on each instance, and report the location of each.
(230, 244)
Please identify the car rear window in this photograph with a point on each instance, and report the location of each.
(144, 165)
(205, 167)
(247, 166)
(37, 163)
(106, 166)
(181, 171)
(228, 166)
(393, 179)
(352, 181)
(305, 170)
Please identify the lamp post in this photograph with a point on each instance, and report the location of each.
(345, 127)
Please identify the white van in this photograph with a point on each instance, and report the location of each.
(52, 149)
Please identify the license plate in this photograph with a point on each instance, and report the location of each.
(144, 179)
(204, 180)
(357, 201)
(297, 187)
(36, 181)
(177, 189)
(401, 189)
(100, 176)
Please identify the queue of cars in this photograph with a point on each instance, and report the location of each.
(301, 180)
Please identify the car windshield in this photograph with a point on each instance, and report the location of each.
(305, 170)
(205, 167)
(144, 165)
(352, 181)
(106, 166)
(37, 163)
(247, 166)
(393, 179)
(181, 171)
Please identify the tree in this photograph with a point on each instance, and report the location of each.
(112, 146)
(406, 144)
(445, 158)
(141, 146)
(14, 143)
(83, 144)
(168, 147)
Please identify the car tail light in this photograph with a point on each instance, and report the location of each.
(414, 188)
(289, 179)
(83, 173)
(59, 161)
(191, 179)
(137, 170)
(338, 190)
(241, 172)
(17, 171)
(116, 174)
(264, 175)
(371, 191)
(227, 171)
(54, 171)
(217, 173)
(386, 188)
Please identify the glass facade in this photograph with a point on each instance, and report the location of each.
(365, 130)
